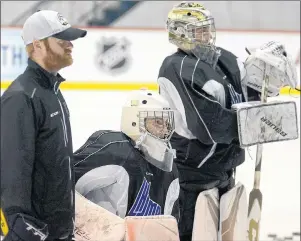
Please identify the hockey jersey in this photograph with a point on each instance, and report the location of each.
(205, 137)
(111, 172)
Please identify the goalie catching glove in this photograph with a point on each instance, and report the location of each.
(283, 71)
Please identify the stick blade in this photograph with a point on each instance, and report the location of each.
(254, 214)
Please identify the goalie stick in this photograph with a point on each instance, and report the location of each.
(255, 197)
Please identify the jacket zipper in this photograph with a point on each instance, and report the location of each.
(70, 176)
(65, 139)
(64, 136)
(64, 121)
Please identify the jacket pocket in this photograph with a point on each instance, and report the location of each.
(43, 199)
(39, 194)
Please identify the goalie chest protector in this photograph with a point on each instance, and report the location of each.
(151, 191)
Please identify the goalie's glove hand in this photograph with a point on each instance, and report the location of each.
(283, 72)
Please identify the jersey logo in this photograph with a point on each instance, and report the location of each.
(143, 205)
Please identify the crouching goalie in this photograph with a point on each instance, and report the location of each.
(131, 172)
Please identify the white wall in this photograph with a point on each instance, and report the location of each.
(71, 10)
(141, 50)
(274, 15)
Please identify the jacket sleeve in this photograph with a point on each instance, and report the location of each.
(18, 136)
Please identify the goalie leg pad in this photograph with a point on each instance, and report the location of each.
(205, 225)
(93, 222)
(233, 214)
(150, 228)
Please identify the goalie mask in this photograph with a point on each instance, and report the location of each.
(148, 120)
(191, 28)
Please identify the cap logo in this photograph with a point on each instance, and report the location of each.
(61, 19)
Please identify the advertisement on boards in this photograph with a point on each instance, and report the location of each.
(13, 54)
(129, 55)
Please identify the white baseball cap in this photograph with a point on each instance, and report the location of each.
(48, 23)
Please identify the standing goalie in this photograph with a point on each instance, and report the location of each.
(201, 82)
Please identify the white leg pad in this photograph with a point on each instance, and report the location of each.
(93, 222)
(151, 228)
(206, 218)
(233, 214)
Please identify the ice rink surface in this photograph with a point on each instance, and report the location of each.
(280, 181)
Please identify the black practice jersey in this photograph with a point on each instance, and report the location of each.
(205, 138)
(111, 172)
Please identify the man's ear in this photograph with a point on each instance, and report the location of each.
(37, 44)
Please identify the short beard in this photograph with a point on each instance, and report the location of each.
(53, 62)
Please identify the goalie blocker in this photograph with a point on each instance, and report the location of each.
(278, 118)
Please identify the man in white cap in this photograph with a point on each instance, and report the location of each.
(37, 179)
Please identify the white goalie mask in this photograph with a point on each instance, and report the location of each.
(148, 120)
(191, 28)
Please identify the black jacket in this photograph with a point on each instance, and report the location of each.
(37, 179)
